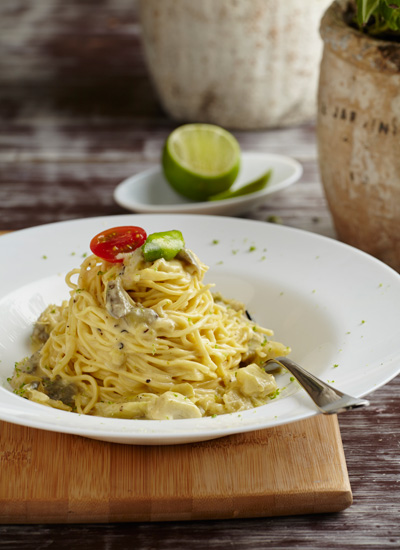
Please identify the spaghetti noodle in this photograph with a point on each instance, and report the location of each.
(147, 339)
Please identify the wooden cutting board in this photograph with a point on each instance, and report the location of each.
(48, 477)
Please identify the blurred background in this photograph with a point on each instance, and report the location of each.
(79, 111)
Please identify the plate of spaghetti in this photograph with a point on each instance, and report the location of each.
(154, 329)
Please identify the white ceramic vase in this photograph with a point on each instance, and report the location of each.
(243, 64)
(358, 132)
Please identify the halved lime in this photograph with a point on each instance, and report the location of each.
(200, 160)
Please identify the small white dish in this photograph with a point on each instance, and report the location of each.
(336, 307)
(149, 191)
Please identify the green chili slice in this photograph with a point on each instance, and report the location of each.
(165, 244)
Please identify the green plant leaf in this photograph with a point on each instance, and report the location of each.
(378, 17)
(365, 9)
(391, 14)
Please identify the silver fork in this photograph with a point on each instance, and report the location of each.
(328, 399)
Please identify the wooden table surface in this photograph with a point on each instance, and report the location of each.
(77, 115)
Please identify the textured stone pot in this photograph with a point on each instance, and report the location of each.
(242, 64)
(358, 129)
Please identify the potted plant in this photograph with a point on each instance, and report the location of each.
(358, 123)
(237, 63)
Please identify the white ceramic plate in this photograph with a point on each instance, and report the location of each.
(337, 307)
(149, 191)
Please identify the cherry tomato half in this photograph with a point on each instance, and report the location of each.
(108, 244)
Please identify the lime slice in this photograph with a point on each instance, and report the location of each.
(257, 185)
(200, 160)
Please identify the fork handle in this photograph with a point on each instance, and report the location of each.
(328, 399)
